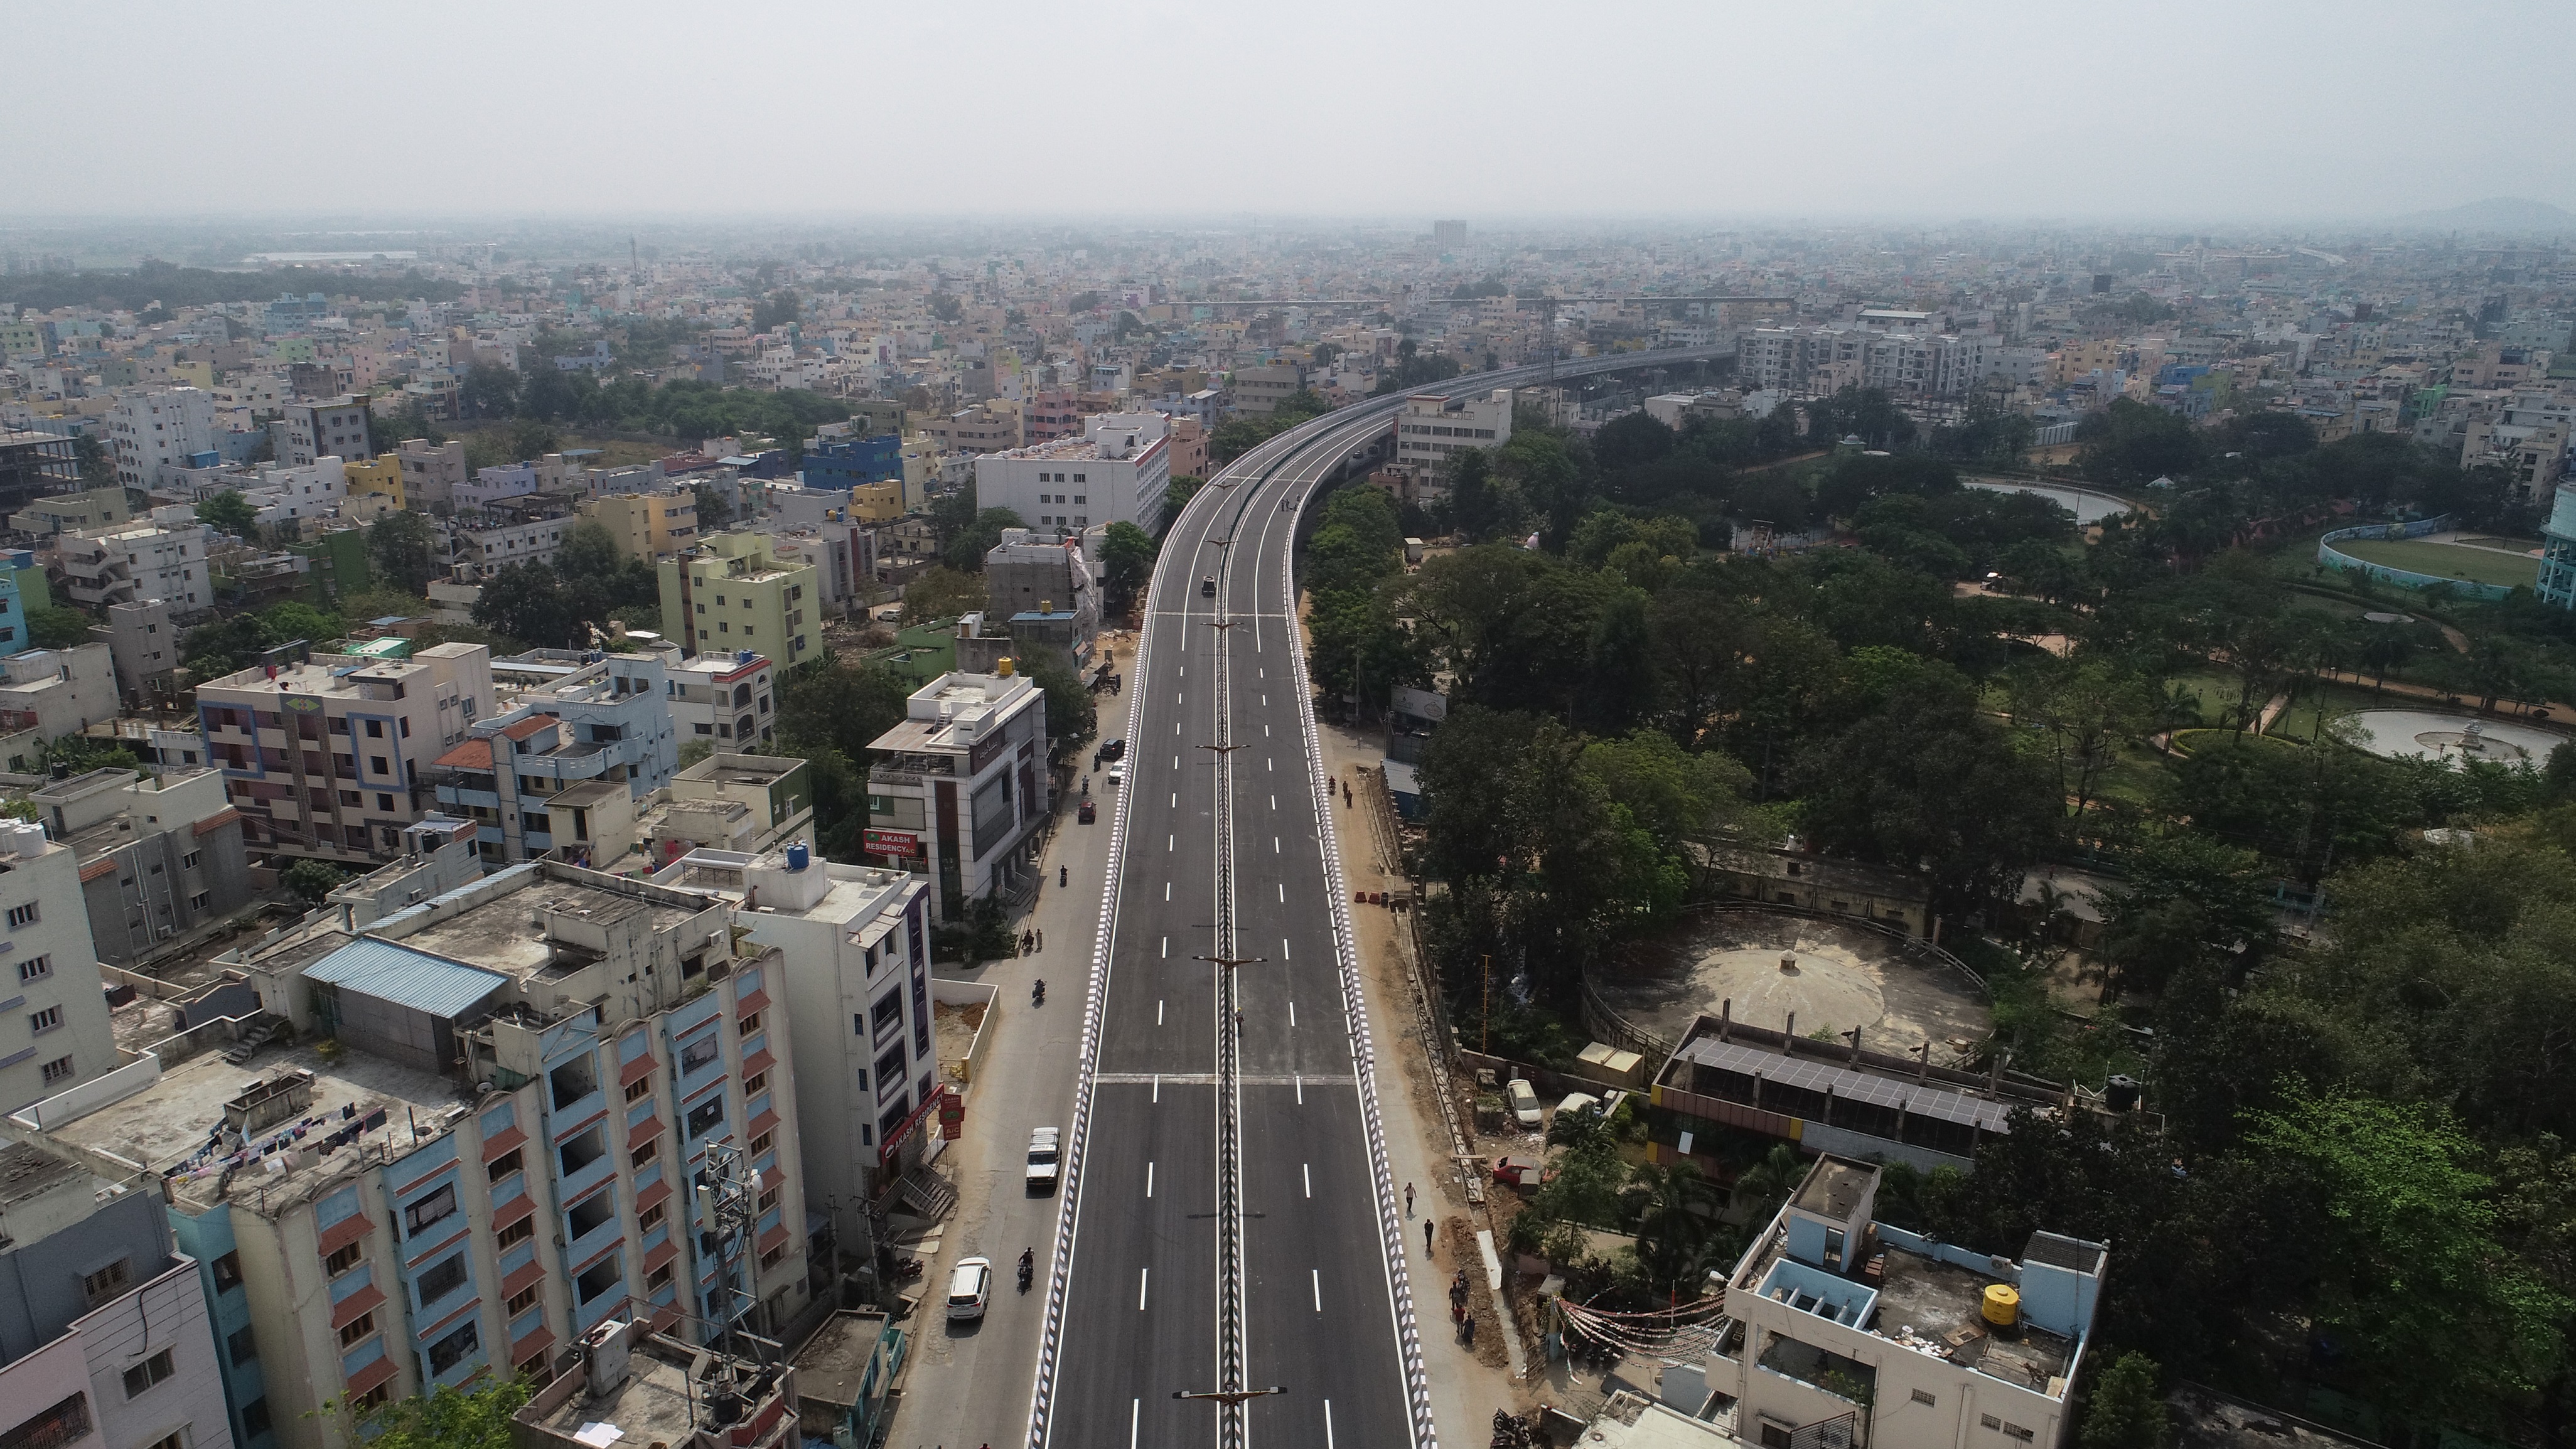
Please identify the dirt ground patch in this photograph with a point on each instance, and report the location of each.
(956, 1027)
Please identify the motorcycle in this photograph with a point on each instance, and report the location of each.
(1037, 994)
(1027, 1267)
(907, 1269)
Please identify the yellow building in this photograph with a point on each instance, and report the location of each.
(733, 592)
(648, 527)
(381, 475)
(877, 502)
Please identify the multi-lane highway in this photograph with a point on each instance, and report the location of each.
(1228, 1221)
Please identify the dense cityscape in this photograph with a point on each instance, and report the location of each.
(1874, 833)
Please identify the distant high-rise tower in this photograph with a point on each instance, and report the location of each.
(634, 258)
(1449, 233)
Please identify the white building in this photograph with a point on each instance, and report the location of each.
(1837, 1316)
(163, 558)
(1116, 472)
(57, 1036)
(959, 787)
(483, 552)
(1435, 425)
(165, 425)
(300, 493)
(856, 940)
(48, 693)
(723, 699)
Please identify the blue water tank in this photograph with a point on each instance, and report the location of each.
(797, 856)
(743, 656)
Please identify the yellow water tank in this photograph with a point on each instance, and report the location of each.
(2003, 1305)
(1004, 666)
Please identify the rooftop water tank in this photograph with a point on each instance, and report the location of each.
(2002, 1307)
(798, 856)
(1003, 666)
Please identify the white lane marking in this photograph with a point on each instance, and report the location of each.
(1176, 699)
(1265, 731)
(1283, 955)
(1319, 1288)
(1185, 671)
(1158, 1087)
(1274, 802)
(1328, 1428)
(1171, 842)
(1269, 762)
(1292, 1016)
(1142, 1274)
(1149, 1179)
(1307, 1171)
(1167, 948)
(1274, 845)
(1167, 890)
(1301, 1089)
(1136, 1416)
(1265, 701)
(1176, 799)
(1283, 893)
(1176, 760)
(1158, 1013)
(1176, 726)
(1262, 673)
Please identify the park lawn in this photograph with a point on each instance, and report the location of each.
(2443, 560)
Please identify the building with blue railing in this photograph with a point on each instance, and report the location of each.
(488, 1139)
(577, 719)
(845, 463)
(2557, 584)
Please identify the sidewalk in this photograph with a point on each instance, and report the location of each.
(968, 1384)
(1466, 1387)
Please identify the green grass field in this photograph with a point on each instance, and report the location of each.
(2443, 560)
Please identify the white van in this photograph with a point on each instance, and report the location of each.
(969, 1288)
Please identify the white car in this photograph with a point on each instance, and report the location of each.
(1578, 1103)
(1524, 1101)
(1118, 774)
(1043, 1160)
(969, 1288)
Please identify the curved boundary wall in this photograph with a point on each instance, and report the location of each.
(2341, 562)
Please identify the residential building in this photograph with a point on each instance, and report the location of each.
(439, 855)
(1260, 390)
(106, 1344)
(432, 477)
(1117, 472)
(13, 615)
(46, 694)
(56, 1037)
(147, 430)
(33, 465)
(505, 535)
(378, 477)
(2557, 582)
(1842, 1328)
(1046, 593)
(958, 789)
(329, 757)
(629, 1387)
(160, 558)
(846, 463)
(842, 554)
(66, 512)
(310, 431)
(1435, 425)
(857, 942)
(591, 720)
(723, 699)
(159, 856)
(2527, 438)
(1189, 448)
(747, 804)
(648, 527)
(991, 426)
(732, 591)
(483, 1158)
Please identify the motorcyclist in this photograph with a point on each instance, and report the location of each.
(1064, 875)
(1037, 993)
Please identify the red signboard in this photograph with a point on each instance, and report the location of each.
(893, 842)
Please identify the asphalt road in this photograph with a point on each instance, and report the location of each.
(1141, 1283)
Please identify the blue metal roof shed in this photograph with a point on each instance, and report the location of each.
(395, 1002)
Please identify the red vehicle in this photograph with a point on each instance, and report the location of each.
(1522, 1171)
(1086, 813)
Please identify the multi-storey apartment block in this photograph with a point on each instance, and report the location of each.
(310, 431)
(1116, 472)
(723, 698)
(55, 1034)
(330, 758)
(488, 1142)
(122, 563)
(159, 856)
(585, 722)
(960, 785)
(733, 592)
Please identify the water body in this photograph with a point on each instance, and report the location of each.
(2088, 506)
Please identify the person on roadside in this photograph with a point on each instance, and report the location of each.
(1408, 1199)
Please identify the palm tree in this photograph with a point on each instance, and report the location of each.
(1767, 1183)
(1677, 1228)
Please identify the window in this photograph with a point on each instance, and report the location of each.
(22, 915)
(752, 1084)
(44, 1021)
(748, 1024)
(242, 1347)
(503, 1165)
(442, 1278)
(640, 1088)
(342, 1260)
(175, 1439)
(658, 1279)
(375, 729)
(106, 1283)
(706, 1116)
(379, 762)
(697, 1054)
(35, 968)
(651, 1149)
(600, 1279)
(768, 1200)
(199, 900)
(760, 1144)
(420, 1215)
(888, 1011)
(373, 1399)
(592, 1213)
(523, 1300)
(649, 1219)
(516, 1233)
(228, 1274)
(450, 1351)
(67, 1422)
(255, 1418)
(149, 1372)
(582, 1151)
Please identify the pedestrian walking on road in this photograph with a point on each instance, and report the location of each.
(1042, 938)
(1426, 1235)
(1408, 1199)
(1470, 1327)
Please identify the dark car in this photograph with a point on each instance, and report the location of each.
(1114, 750)
(1086, 812)
(1207, 587)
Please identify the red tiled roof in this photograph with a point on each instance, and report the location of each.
(471, 755)
(530, 725)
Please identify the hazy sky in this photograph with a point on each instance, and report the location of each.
(1384, 109)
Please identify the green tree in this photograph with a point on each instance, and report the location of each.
(405, 551)
(59, 627)
(293, 620)
(831, 705)
(942, 593)
(965, 553)
(311, 880)
(489, 391)
(445, 1418)
(589, 550)
(2126, 1411)
(230, 512)
(97, 464)
(1127, 558)
(528, 602)
(1071, 710)
(2078, 713)
(775, 311)
(946, 307)
(715, 511)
